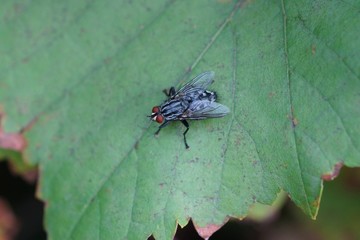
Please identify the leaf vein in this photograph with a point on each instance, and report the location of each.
(284, 15)
(217, 33)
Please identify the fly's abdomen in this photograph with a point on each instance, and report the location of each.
(208, 96)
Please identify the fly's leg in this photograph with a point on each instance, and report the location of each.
(161, 126)
(186, 124)
(172, 91)
(169, 93)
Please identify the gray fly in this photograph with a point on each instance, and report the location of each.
(192, 101)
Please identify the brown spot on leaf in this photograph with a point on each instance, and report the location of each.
(271, 94)
(295, 122)
(316, 203)
(313, 49)
(107, 60)
(25, 60)
(335, 172)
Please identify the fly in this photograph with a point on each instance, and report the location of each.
(192, 101)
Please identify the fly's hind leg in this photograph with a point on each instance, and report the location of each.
(186, 124)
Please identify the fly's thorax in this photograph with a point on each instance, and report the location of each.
(173, 108)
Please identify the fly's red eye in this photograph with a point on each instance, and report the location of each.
(159, 118)
(155, 110)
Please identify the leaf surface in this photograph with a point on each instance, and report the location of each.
(87, 73)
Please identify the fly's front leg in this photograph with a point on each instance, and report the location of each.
(169, 93)
(161, 126)
(186, 124)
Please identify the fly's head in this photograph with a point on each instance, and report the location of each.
(156, 115)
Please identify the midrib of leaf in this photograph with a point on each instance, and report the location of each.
(216, 35)
(291, 105)
(202, 53)
(233, 94)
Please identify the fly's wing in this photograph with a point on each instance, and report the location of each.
(206, 109)
(200, 82)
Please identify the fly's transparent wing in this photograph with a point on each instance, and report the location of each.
(200, 82)
(206, 109)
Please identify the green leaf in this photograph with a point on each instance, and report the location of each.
(87, 74)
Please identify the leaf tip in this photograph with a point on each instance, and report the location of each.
(207, 231)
